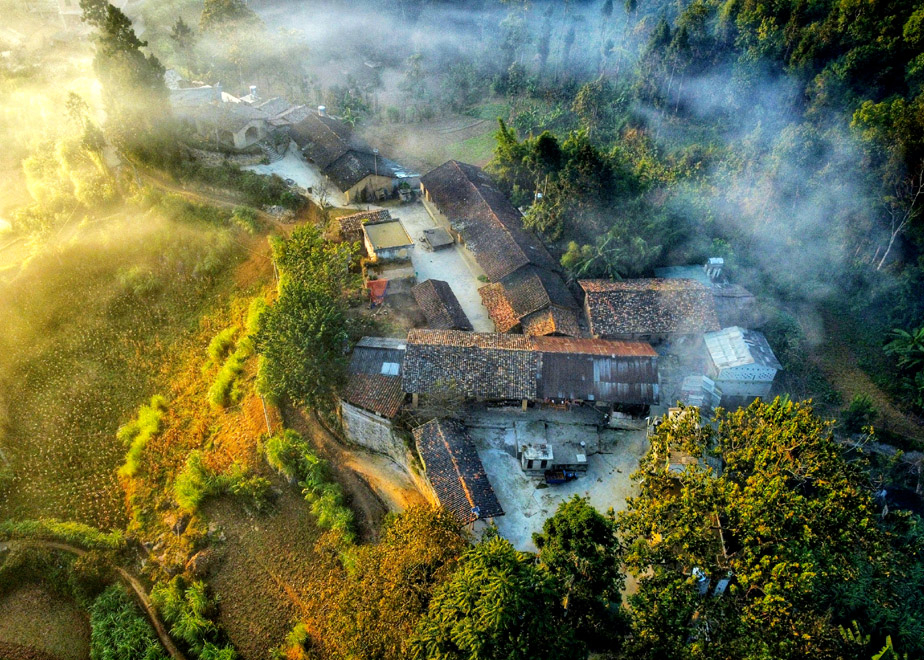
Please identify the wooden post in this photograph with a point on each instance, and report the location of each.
(414, 400)
(525, 402)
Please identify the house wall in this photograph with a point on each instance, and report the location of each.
(242, 139)
(373, 432)
(370, 183)
(732, 386)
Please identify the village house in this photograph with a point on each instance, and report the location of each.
(455, 474)
(373, 396)
(351, 226)
(652, 310)
(742, 363)
(440, 306)
(526, 293)
(519, 369)
(387, 240)
(355, 168)
(235, 125)
(734, 305)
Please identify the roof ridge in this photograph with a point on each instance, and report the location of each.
(529, 260)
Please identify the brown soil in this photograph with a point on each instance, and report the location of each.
(266, 571)
(37, 624)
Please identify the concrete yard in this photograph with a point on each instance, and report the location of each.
(526, 501)
(447, 264)
(292, 166)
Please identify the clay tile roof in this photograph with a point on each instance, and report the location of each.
(649, 306)
(351, 226)
(551, 321)
(491, 227)
(502, 366)
(535, 298)
(487, 365)
(322, 139)
(499, 309)
(530, 289)
(455, 471)
(440, 305)
(375, 392)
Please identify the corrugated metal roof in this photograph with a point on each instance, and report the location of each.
(736, 347)
(372, 354)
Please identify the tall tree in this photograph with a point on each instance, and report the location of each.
(498, 604)
(580, 549)
(133, 82)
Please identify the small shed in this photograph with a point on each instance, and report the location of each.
(440, 305)
(387, 241)
(437, 238)
(742, 362)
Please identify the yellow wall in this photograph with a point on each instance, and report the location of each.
(370, 183)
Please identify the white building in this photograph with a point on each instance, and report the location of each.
(742, 362)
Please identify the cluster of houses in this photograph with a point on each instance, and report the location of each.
(588, 344)
(274, 125)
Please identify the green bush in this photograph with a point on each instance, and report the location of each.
(222, 343)
(246, 218)
(136, 433)
(290, 454)
(196, 483)
(187, 608)
(73, 533)
(139, 281)
(119, 630)
(859, 414)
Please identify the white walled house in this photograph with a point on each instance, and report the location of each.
(742, 364)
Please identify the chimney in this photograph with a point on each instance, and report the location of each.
(322, 111)
(714, 267)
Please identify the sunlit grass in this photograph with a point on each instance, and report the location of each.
(82, 346)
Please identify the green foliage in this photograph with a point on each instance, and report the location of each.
(224, 15)
(222, 343)
(196, 482)
(498, 604)
(73, 533)
(303, 335)
(860, 414)
(908, 349)
(579, 548)
(246, 218)
(788, 519)
(119, 630)
(188, 610)
(136, 433)
(292, 456)
(373, 608)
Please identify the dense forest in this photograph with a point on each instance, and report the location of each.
(785, 137)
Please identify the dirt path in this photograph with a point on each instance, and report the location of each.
(369, 508)
(838, 361)
(130, 580)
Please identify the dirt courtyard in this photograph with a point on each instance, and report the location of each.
(527, 501)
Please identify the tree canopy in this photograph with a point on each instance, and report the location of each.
(786, 520)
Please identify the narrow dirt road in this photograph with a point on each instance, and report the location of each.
(129, 579)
